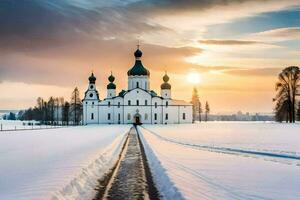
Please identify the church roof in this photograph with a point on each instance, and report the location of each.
(138, 69)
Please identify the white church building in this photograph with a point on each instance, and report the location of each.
(136, 105)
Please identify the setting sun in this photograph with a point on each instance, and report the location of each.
(193, 77)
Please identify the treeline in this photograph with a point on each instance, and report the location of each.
(288, 88)
(197, 107)
(55, 110)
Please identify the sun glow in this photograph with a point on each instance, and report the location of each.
(193, 78)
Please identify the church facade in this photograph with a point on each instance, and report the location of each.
(136, 105)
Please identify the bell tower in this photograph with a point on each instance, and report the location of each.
(166, 87)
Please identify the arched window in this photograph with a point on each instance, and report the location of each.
(155, 104)
(137, 84)
(183, 116)
(146, 116)
(155, 116)
(92, 116)
(167, 116)
(167, 103)
(128, 116)
(146, 103)
(119, 104)
(137, 102)
(108, 116)
(129, 102)
(109, 104)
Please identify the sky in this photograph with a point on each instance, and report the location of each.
(48, 47)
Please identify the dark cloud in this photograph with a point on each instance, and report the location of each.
(228, 42)
(33, 24)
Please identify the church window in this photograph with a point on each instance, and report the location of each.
(155, 104)
(119, 116)
(146, 116)
(129, 102)
(183, 116)
(91, 95)
(108, 116)
(137, 102)
(137, 84)
(167, 103)
(146, 103)
(128, 116)
(93, 103)
(119, 104)
(92, 116)
(155, 116)
(109, 104)
(167, 116)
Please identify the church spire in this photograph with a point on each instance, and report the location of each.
(138, 69)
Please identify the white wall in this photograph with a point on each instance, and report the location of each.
(143, 82)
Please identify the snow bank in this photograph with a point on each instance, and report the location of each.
(57, 163)
(194, 164)
(165, 186)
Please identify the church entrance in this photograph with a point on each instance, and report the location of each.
(137, 119)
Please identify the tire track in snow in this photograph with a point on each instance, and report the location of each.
(267, 156)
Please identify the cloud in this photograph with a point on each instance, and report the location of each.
(228, 42)
(281, 34)
(254, 71)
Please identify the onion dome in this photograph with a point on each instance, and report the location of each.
(111, 85)
(138, 53)
(165, 85)
(111, 78)
(138, 69)
(92, 78)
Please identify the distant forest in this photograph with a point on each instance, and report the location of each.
(55, 110)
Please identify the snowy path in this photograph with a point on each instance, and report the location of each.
(58, 163)
(213, 173)
(129, 179)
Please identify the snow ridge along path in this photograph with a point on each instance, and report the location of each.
(131, 178)
(266, 155)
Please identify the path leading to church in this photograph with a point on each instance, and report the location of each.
(131, 178)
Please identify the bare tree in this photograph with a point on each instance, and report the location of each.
(200, 111)
(51, 107)
(298, 111)
(76, 106)
(196, 103)
(207, 110)
(65, 113)
(287, 88)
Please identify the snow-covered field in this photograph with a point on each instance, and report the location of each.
(60, 163)
(20, 125)
(231, 160)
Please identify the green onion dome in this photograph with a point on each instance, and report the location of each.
(92, 79)
(138, 69)
(111, 78)
(111, 85)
